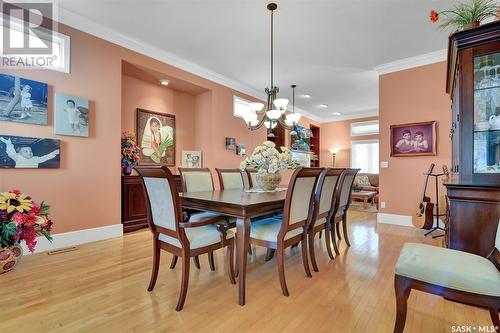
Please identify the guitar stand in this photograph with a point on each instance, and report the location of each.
(436, 214)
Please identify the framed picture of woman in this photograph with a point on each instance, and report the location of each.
(415, 139)
(156, 137)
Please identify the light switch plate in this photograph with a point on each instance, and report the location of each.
(384, 164)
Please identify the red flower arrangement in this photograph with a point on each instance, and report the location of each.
(22, 219)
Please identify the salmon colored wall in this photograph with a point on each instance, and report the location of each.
(85, 191)
(412, 95)
(337, 135)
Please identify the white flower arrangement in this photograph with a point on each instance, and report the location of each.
(266, 159)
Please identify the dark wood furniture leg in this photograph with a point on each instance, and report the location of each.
(280, 257)
(185, 280)
(494, 318)
(337, 228)
(328, 241)
(311, 252)
(344, 229)
(402, 289)
(230, 261)
(270, 254)
(173, 262)
(197, 262)
(211, 261)
(156, 263)
(305, 261)
(242, 241)
(333, 227)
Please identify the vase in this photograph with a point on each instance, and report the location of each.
(268, 181)
(9, 257)
(127, 170)
(471, 25)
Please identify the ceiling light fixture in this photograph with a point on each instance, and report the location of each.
(305, 96)
(273, 113)
(336, 113)
(322, 106)
(164, 82)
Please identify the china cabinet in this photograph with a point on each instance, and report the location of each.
(473, 82)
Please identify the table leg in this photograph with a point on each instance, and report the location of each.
(365, 203)
(242, 240)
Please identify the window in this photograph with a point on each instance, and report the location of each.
(240, 106)
(364, 155)
(364, 128)
(60, 57)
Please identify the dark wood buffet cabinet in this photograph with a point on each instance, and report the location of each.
(134, 202)
(473, 82)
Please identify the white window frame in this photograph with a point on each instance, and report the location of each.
(64, 42)
(241, 101)
(365, 123)
(354, 142)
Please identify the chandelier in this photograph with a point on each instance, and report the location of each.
(273, 113)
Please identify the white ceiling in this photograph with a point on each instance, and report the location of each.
(327, 48)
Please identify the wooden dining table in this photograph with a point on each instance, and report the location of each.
(243, 206)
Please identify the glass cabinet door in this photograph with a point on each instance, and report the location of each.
(487, 113)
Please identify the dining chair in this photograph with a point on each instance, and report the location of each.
(252, 176)
(326, 203)
(197, 180)
(455, 275)
(231, 179)
(343, 206)
(280, 233)
(171, 234)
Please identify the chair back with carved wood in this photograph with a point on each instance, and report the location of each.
(196, 179)
(252, 176)
(345, 192)
(231, 179)
(328, 192)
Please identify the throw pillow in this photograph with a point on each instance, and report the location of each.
(362, 180)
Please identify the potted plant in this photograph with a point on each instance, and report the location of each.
(269, 164)
(465, 16)
(130, 152)
(21, 219)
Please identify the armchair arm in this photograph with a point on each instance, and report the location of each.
(493, 257)
(201, 223)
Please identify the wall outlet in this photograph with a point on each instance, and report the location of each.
(382, 204)
(384, 164)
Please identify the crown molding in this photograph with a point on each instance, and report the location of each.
(411, 62)
(364, 114)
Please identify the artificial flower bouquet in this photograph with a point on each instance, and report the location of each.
(266, 159)
(130, 150)
(22, 219)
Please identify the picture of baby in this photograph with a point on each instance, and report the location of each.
(22, 155)
(71, 115)
(26, 104)
(155, 133)
(416, 139)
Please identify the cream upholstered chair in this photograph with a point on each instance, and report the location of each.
(326, 205)
(170, 233)
(231, 179)
(252, 176)
(198, 180)
(275, 233)
(456, 275)
(343, 206)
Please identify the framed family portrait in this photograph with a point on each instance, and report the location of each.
(191, 159)
(415, 139)
(71, 115)
(23, 152)
(156, 137)
(23, 100)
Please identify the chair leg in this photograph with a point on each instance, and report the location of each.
(211, 261)
(173, 262)
(250, 252)
(305, 261)
(230, 261)
(156, 264)
(344, 229)
(320, 233)
(280, 256)
(269, 254)
(311, 251)
(337, 228)
(494, 318)
(334, 238)
(328, 241)
(197, 262)
(185, 281)
(402, 290)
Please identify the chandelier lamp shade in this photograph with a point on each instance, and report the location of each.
(274, 112)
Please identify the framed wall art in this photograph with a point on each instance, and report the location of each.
(22, 152)
(415, 139)
(156, 137)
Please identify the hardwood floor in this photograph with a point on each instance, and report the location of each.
(101, 287)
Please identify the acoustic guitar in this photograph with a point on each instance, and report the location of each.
(443, 200)
(424, 214)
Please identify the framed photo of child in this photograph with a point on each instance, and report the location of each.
(156, 137)
(415, 139)
(71, 115)
(23, 152)
(23, 100)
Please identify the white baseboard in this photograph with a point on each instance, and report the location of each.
(403, 220)
(74, 238)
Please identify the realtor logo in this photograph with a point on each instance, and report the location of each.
(27, 28)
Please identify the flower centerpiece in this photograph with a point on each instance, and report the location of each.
(464, 16)
(130, 152)
(21, 219)
(269, 164)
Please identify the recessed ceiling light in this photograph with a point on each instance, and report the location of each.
(336, 113)
(322, 106)
(306, 96)
(164, 82)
